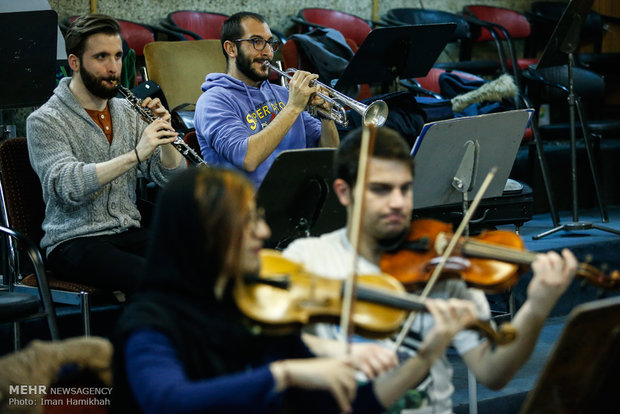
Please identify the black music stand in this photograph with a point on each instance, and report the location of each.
(298, 198)
(28, 54)
(560, 49)
(391, 52)
(581, 374)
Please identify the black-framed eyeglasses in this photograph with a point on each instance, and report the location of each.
(259, 43)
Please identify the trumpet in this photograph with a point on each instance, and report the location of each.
(374, 114)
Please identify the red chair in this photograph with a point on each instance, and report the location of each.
(430, 82)
(351, 26)
(191, 139)
(195, 25)
(501, 24)
(136, 35)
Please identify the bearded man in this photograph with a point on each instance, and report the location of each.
(242, 121)
(87, 148)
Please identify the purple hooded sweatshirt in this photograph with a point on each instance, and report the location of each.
(229, 112)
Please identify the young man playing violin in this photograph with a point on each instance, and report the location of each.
(388, 204)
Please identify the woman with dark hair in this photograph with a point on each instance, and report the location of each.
(183, 346)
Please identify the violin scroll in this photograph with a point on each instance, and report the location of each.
(598, 277)
(491, 261)
(503, 336)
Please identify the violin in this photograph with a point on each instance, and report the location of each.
(284, 297)
(491, 261)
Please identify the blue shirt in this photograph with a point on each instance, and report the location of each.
(158, 382)
(229, 112)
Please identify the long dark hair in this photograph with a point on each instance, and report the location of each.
(197, 232)
(198, 226)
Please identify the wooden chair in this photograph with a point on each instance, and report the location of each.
(23, 211)
(181, 67)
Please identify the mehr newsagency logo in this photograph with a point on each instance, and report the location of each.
(32, 395)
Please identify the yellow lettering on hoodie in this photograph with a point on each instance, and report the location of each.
(250, 119)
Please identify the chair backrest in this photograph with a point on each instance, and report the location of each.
(544, 16)
(136, 35)
(20, 190)
(181, 67)
(293, 58)
(431, 80)
(191, 139)
(403, 16)
(351, 26)
(514, 22)
(204, 24)
(589, 86)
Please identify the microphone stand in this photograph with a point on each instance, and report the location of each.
(569, 45)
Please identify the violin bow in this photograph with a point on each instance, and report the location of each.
(369, 133)
(446, 254)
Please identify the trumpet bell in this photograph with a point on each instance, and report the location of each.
(375, 114)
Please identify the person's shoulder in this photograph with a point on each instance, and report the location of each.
(327, 241)
(218, 92)
(216, 82)
(50, 109)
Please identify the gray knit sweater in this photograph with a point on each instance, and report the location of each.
(64, 145)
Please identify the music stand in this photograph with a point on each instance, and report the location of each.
(28, 52)
(298, 198)
(391, 52)
(447, 169)
(581, 374)
(561, 47)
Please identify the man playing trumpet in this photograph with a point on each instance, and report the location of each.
(243, 121)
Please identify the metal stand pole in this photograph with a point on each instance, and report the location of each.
(576, 225)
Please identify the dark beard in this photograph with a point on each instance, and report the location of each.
(244, 65)
(95, 86)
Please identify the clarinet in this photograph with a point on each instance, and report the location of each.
(180, 145)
